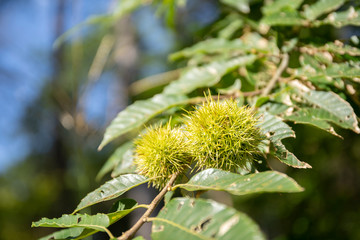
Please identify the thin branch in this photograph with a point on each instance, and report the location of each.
(279, 71)
(129, 233)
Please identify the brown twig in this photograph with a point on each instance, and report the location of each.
(129, 233)
(279, 71)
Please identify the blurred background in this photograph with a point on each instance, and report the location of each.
(56, 101)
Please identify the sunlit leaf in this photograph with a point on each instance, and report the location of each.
(338, 110)
(279, 5)
(126, 165)
(120, 209)
(195, 219)
(273, 127)
(241, 5)
(276, 130)
(314, 116)
(206, 76)
(321, 7)
(248, 43)
(112, 189)
(138, 113)
(98, 222)
(283, 18)
(287, 157)
(343, 18)
(219, 180)
(335, 48)
(115, 160)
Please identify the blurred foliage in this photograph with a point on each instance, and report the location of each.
(50, 182)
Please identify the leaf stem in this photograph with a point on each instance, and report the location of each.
(129, 233)
(279, 71)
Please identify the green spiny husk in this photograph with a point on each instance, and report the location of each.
(161, 152)
(223, 135)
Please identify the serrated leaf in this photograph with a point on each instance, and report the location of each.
(241, 5)
(335, 48)
(279, 5)
(321, 7)
(276, 130)
(287, 157)
(115, 160)
(126, 165)
(315, 117)
(195, 219)
(340, 111)
(112, 189)
(98, 222)
(283, 18)
(138, 113)
(313, 72)
(343, 18)
(70, 233)
(273, 127)
(206, 76)
(274, 108)
(219, 180)
(120, 209)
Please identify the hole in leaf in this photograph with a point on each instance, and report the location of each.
(347, 117)
(341, 121)
(79, 219)
(201, 227)
(272, 134)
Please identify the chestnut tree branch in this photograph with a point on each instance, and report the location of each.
(129, 233)
(279, 71)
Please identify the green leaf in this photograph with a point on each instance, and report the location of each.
(338, 110)
(274, 108)
(139, 238)
(288, 157)
(249, 42)
(273, 127)
(120, 209)
(279, 5)
(313, 71)
(69, 233)
(232, 89)
(241, 5)
(276, 130)
(283, 18)
(321, 7)
(343, 18)
(313, 116)
(339, 49)
(112, 189)
(138, 113)
(125, 165)
(195, 219)
(206, 76)
(117, 159)
(219, 180)
(98, 222)
(231, 28)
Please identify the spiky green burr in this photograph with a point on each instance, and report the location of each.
(223, 135)
(161, 152)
